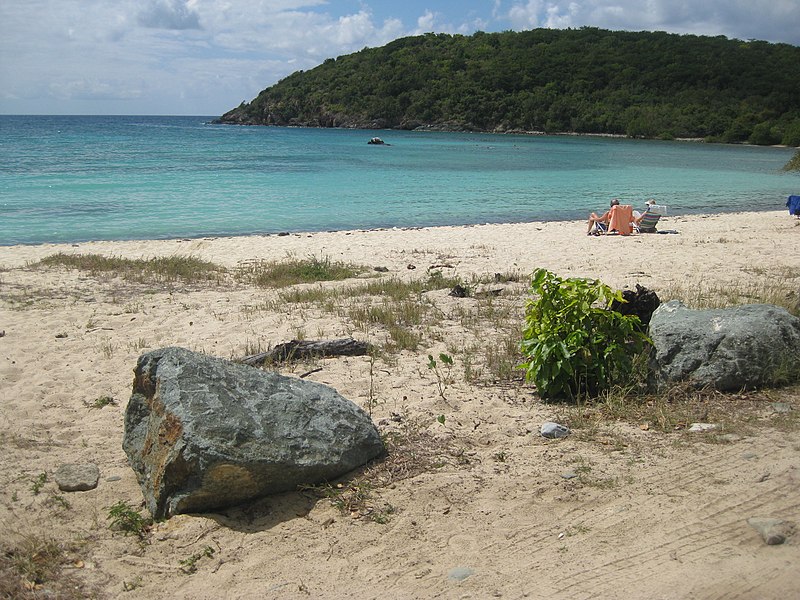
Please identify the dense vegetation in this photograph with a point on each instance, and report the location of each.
(587, 80)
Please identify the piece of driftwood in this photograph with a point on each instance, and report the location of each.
(309, 348)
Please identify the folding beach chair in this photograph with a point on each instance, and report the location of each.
(651, 218)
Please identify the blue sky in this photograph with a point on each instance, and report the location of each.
(203, 57)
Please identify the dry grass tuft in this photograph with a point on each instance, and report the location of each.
(33, 567)
(187, 269)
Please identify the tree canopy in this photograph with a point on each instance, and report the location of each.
(588, 80)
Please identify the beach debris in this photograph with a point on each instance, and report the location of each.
(203, 433)
(459, 291)
(73, 477)
(411, 267)
(381, 269)
(299, 349)
(459, 573)
(773, 531)
(703, 427)
(728, 349)
(554, 430)
(642, 303)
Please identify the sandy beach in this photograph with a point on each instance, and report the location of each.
(484, 507)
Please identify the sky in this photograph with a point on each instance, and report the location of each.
(204, 57)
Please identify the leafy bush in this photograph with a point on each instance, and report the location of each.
(574, 344)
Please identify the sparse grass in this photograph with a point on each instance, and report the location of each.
(107, 348)
(32, 567)
(187, 269)
(410, 451)
(402, 338)
(760, 285)
(137, 345)
(128, 520)
(277, 274)
(676, 409)
(189, 565)
(100, 402)
(38, 483)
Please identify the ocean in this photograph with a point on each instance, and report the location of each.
(80, 178)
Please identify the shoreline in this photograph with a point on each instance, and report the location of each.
(703, 243)
(290, 232)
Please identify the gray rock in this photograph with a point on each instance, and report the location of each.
(460, 573)
(77, 477)
(203, 433)
(727, 349)
(703, 427)
(772, 531)
(554, 430)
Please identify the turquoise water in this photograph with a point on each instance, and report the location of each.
(72, 179)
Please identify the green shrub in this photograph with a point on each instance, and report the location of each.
(573, 343)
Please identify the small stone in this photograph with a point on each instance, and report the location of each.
(382, 269)
(781, 408)
(703, 427)
(77, 477)
(569, 475)
(773, 531)
(459, 573)
(554, 430)
(113, 478)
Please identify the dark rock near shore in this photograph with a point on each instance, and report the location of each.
(203, 433)
(726, 349)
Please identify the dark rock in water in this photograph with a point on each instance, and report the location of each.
(642, 303)
(77, 477)
(203, 433)
(728, 349)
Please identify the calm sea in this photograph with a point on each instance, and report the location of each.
(72, 179)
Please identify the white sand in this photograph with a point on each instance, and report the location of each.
(657, 516)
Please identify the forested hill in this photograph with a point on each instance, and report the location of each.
(640, 84)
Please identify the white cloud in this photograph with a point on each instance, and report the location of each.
(425, 22)
(168, 14)
(772, 20)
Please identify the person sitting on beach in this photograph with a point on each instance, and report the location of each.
(599, 224)
(637, 216)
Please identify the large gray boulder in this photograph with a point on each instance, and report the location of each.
(728, 349)
(203, 433)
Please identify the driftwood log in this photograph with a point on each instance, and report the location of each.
(297, 349)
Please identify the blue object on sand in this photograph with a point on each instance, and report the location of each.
(794, 205)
